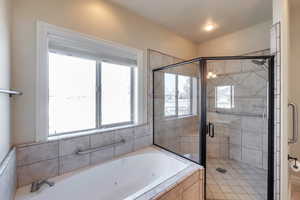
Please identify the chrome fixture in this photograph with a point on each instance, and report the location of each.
(261, 63)
(36, 185)
(91, 150)
(211, 129)
(294, 107)
(295, 159)
(10, 92)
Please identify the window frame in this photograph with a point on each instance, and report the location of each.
(176, 115)
(44, 31)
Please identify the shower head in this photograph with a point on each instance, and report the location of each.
(259, 62)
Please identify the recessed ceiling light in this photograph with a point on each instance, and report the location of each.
(209, 27)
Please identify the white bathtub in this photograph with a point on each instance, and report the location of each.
(126, 177)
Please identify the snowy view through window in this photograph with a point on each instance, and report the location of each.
(74, 97)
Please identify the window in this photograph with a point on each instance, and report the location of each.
(86, 84)
(180, 95)
(170, 94)
(184, 95)
(116, 94)
(72, 86)
(224, 97)
(88, 93)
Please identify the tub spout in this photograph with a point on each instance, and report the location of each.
(36, 185)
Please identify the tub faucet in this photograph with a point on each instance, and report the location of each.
(36, 185)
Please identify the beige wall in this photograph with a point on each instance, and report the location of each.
(294, 66)
(251, 39)
(5, 13)
(94, 17)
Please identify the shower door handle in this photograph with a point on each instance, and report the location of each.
(208, 130)
(294, 107)
(212, 130)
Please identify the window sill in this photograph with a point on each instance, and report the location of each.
(91, 132)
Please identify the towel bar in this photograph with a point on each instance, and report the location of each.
(10, 92)
(82, 152)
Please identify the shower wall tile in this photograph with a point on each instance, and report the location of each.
(276, 50)
(253, 124)
(235, 137)
(216, 67)
(248, 66)
(252, 140)
(265, 160)
(235, 152)
(232, 66)
(224, 150)
(253, 157)
(265, 142)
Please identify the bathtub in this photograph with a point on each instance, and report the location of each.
(126, 177)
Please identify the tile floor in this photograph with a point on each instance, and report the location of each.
(241, 181)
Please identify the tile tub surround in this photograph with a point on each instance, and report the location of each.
(53, 158)
(162, 171)
(8, 176)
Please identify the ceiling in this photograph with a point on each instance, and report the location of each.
(188, 17)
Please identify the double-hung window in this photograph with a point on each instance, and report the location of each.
(86, 85)
(180, 95)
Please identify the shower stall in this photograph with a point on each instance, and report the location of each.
(219, 113)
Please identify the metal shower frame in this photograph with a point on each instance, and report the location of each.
(202, 61)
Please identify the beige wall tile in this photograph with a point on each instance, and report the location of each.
(40, 170)
(72, 162)
(71, 146)
(35, 153)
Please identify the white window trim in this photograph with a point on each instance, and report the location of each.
(42, 102)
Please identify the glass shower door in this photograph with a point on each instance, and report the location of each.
(237, 120)
(218, 112)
